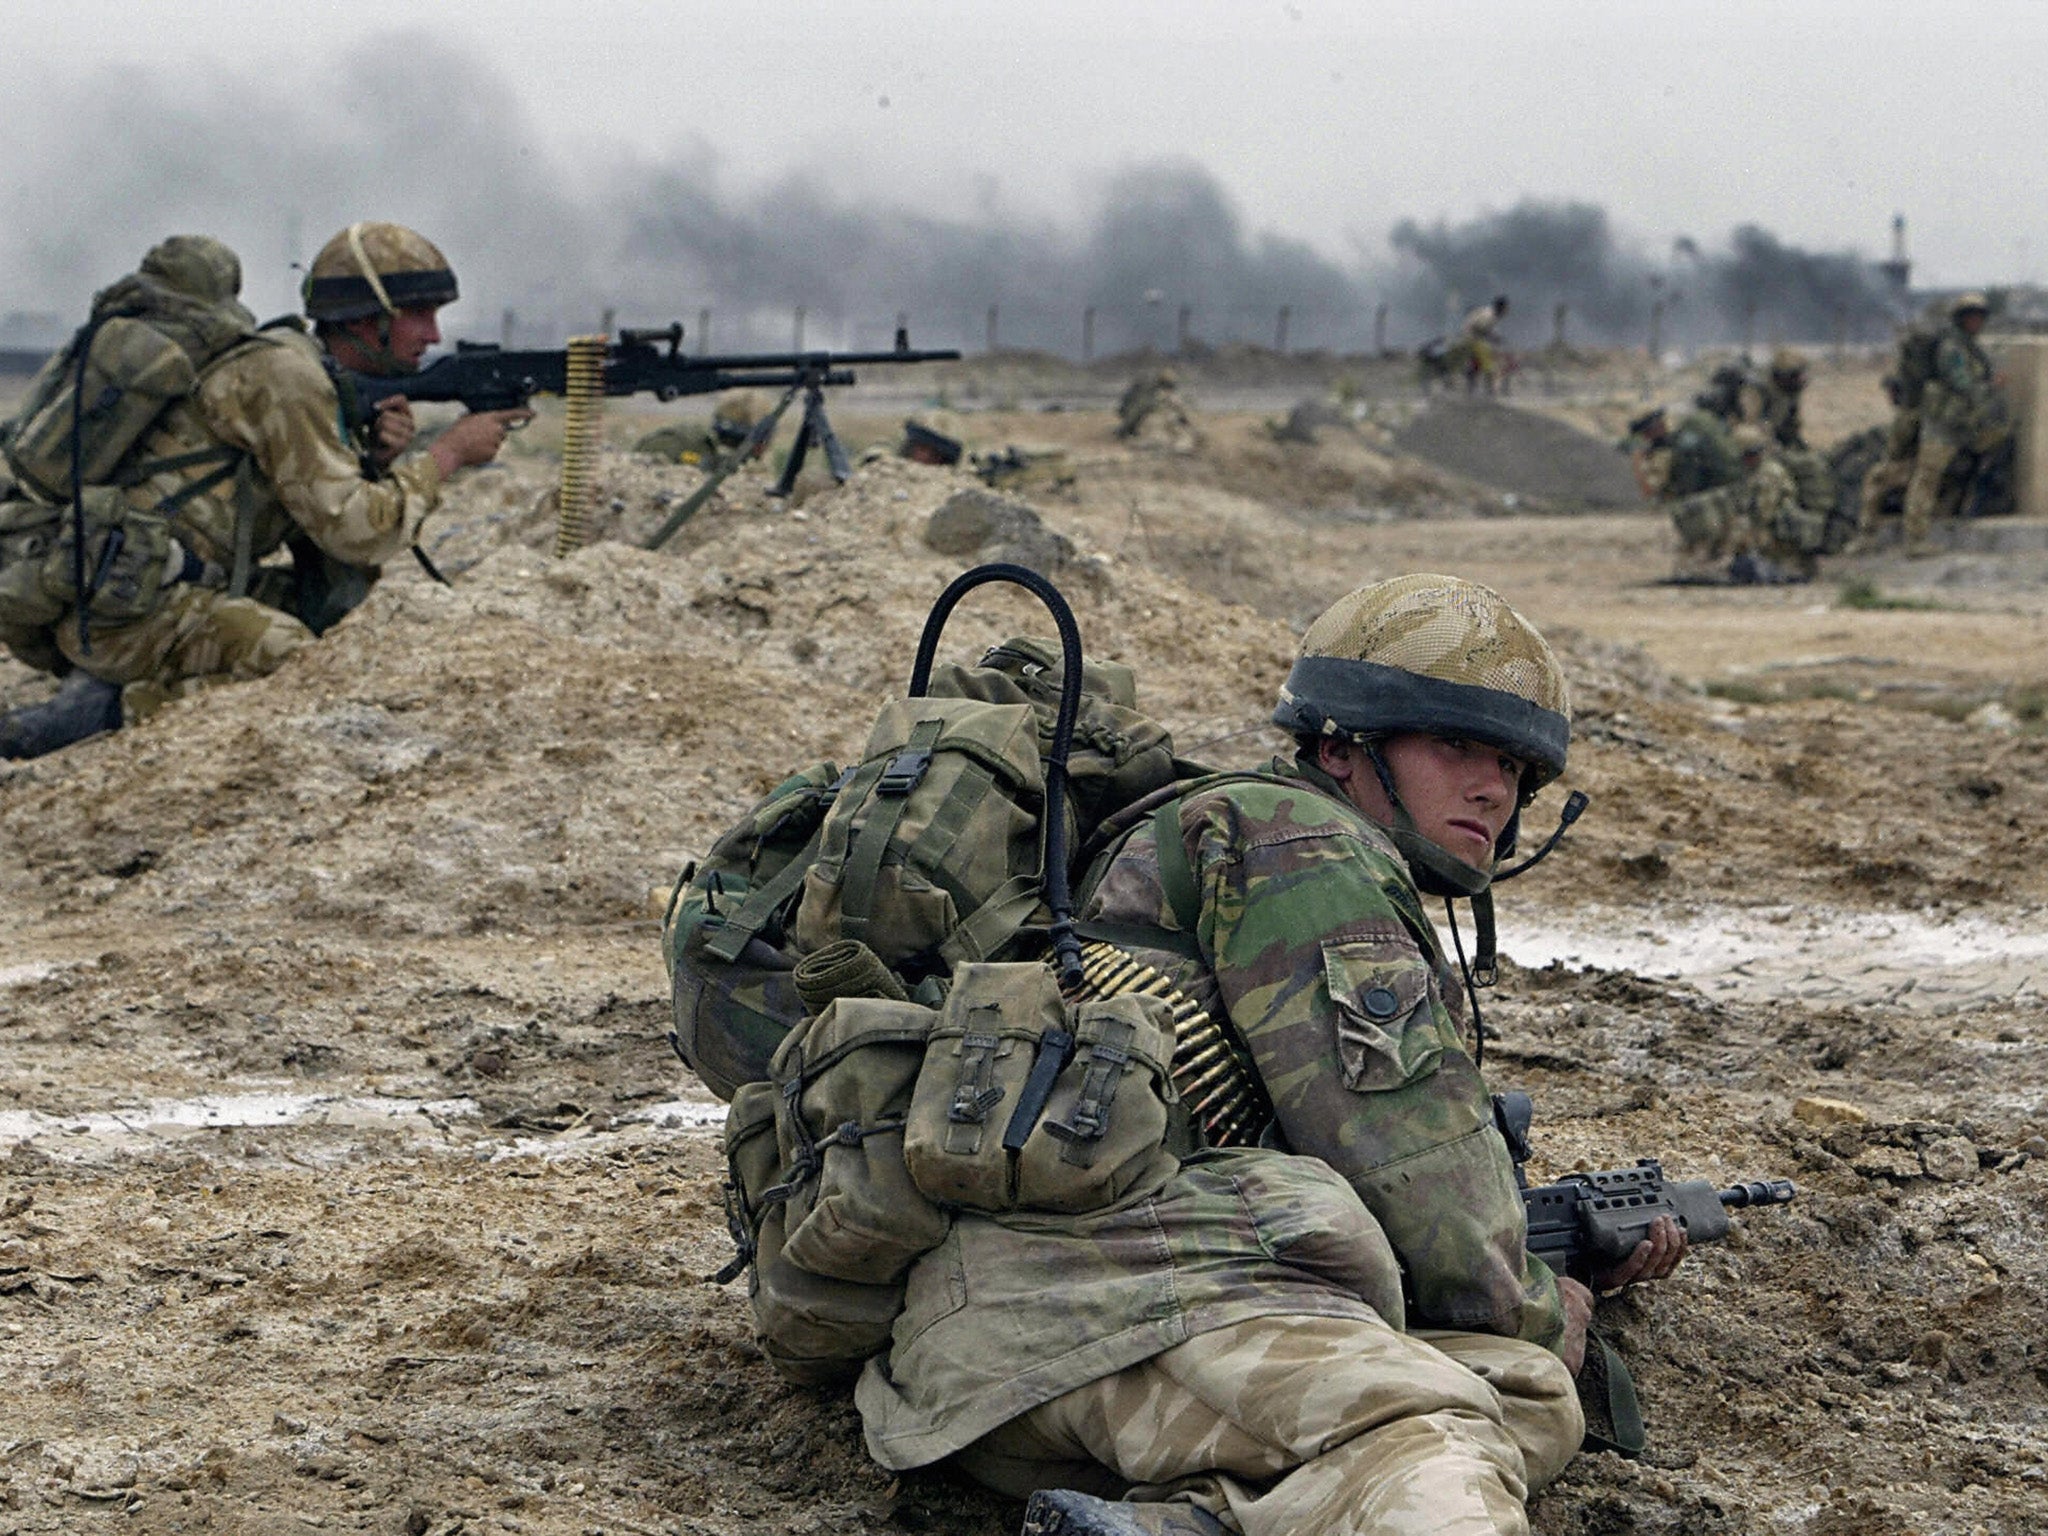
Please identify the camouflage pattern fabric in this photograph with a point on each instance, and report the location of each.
(196, 636)
(1777, 409)
(278, 404)
(1314, 943)
(1961, 403)
(1695, 456)
(274, 400)
(1925, 498)
(1055, 1302)
(1281, 1425)
(1781, 529)
(683, 442)
(1309, 943)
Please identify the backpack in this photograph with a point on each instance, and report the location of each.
(860, 966)
(1914, 365)
(934, 850)
(83, 423)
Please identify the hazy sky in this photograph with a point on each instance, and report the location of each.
(1323, 120)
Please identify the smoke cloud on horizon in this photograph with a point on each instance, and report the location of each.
(412, 130)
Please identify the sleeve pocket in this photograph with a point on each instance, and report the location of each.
(1387, 1032)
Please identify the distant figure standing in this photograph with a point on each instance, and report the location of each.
(1479, 336)
(1961, 410)
(1779, 395)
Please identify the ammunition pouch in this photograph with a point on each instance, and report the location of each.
(1026, 1102)
(130, 557)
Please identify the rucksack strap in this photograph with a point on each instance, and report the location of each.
(891, 783)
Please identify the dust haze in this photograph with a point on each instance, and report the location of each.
(409, 128)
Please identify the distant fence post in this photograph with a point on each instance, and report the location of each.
(604, 324)
(1180, 338)
(1379, 330)
(992, 327)
(1280, 328)
(1558, 318)
(1088, 334)
(1656, 347)
(507, 323)
(797, 333)
(703, 331)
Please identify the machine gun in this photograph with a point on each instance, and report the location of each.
(1589, 1222)
(486, 377)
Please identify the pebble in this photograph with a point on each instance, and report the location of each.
(1951, 1159)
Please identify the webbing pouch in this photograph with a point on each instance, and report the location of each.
(1028, 1103)
(128, 558)
(844, 1082)
(813, 1328)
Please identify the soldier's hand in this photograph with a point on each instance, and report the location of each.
(1578, 1313)
(476, 438)
(395, 430)
(1654, 1258)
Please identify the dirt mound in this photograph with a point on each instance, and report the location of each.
(1521, 452)
(346, 1180)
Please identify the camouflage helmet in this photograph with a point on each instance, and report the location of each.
(737, 413)
(373, 268)
(1787, 362)
(1963, 303)
(1433, 654)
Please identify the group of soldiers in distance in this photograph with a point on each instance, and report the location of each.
(1753, 501)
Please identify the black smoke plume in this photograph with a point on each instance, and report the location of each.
(408, 129)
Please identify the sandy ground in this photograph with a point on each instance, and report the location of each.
(346, 1182)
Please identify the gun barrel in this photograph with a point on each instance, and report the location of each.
(1760, 1192)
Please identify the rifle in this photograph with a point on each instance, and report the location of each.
(1589, 1222)
(485, 377)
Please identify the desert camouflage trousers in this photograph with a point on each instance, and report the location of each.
(1923, 491)
(196, 638)
(1309, 1426)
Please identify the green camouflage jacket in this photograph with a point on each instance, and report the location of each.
(1960, 401)
(1308, 936)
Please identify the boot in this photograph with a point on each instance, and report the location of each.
(1062, 1512)
(83, 706)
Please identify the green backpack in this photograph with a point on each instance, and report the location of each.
(935, 850)
(861, 967)
(67, 535)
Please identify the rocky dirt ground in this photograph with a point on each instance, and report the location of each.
(346, 1182)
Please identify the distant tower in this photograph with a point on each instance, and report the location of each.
(1898, 272)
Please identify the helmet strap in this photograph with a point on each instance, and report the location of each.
(1437, 872)
(1483, 970)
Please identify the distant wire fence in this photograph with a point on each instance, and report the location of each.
(1090, 332)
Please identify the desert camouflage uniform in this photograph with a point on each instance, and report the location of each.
(1960, 408)
(1693, 457)
(272, 399)
(1893, 472)
(1162, 1348)
(1777, 411)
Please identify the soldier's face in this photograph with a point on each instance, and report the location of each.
(1460, 793)
(412, 332)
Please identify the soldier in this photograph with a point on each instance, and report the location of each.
(1893, 472)
(1778, 533)
(1722, 398)
(1961, 410)
(1479, 338)
(1151, 411)
(1235, 1354)
(1673, 464)
(268, 408)
(1779, 397)
(733, 419)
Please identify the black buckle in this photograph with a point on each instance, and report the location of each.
(904, 772)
